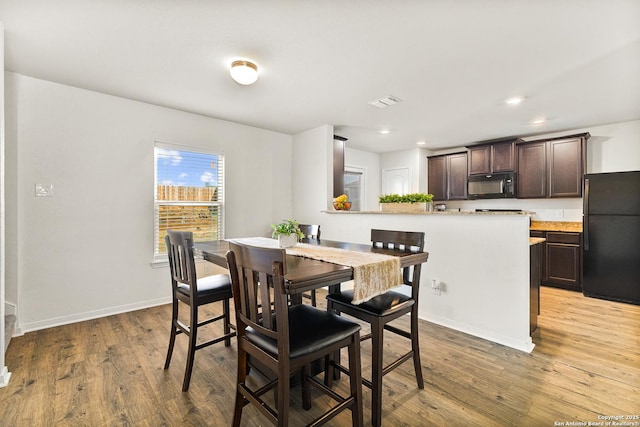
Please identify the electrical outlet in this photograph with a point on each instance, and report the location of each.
(435, 287)
(560, 213)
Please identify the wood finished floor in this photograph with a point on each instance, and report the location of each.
(108, 371)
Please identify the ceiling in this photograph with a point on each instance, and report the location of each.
(452, 63)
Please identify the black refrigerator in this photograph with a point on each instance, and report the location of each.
(611, 246)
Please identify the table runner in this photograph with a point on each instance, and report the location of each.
(373, 274)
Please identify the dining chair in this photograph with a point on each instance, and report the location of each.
(194, 292)
(310, 231)
(381, 310)
(285, 338)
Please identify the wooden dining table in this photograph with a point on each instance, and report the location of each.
(304, 274)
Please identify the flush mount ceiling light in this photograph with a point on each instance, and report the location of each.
(538, 121)
(244, 72)
(384, 131)
(514, 100)
(421, 143)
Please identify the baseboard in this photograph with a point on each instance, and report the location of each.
(89, 315)
(4, 376)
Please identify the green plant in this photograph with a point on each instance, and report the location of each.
(287, 228)
(406, 198)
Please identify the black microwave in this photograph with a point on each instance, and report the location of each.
(493, 186)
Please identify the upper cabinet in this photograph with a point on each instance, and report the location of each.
(551, 167)
(491, 158)
(447, 176)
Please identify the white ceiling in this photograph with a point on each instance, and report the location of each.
(451, 62)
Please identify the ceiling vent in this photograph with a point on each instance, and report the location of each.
(385, 101)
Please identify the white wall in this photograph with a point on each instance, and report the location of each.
(370, 164)
(86, 251)
(312, 174)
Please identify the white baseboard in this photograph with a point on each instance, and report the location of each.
(10, 308)
(80, 317)
(4, 376)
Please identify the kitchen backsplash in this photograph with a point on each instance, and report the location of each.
(565, 209)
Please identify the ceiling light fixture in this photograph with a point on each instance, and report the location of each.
(514, 100)
(421, 143)
(244, 72)
(538, 121)
(384, 131)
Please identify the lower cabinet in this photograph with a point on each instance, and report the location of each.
(562, 259)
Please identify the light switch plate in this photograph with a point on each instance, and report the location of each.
(44, 190)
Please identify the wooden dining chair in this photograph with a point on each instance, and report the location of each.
(285, 338)
(194, 292)
(381, 310)
(310, 231)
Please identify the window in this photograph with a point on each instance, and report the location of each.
(353, 185)
(189, 194)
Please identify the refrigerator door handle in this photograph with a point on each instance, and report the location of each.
(585, 214)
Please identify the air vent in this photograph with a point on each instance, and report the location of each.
(385, 101)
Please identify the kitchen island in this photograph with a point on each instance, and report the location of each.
(479, 260)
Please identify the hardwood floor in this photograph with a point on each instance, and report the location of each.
(108, 371)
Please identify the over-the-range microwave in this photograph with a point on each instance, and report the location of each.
(492, 186)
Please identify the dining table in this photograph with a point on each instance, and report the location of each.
(303, 273)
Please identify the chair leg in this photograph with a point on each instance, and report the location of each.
(415, 346)
(191, 352)
(227, 328)
(172, 336)
(377, 338)
(283, 394)
(306, 388)
(242, 375)
(355, 380)
(313, 297)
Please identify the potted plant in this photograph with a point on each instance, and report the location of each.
(414, 202)
(287, 232)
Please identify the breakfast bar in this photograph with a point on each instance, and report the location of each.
(477, 279)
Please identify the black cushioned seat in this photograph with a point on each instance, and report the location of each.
(382, 305)
(327, 330)
(214, 287)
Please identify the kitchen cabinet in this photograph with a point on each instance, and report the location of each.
(492, 158)
(552, 167)
(562, 259)
(447, 176)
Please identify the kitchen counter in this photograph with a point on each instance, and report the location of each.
(568, 227)
(536, 240)
(436, 213)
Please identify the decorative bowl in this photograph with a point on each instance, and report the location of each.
(344, 206)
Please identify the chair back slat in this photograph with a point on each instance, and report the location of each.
(412, 241)
(257, 276)
(181, 260)
(401, 240)
(310, 231)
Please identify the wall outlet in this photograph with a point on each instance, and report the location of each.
(560, 213)
(435, 287)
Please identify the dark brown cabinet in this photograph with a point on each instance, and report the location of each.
(562, 259)
(492, 158)
(447, 176)
(457, 176)
(552, 167)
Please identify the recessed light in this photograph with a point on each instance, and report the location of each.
(538, 121)
(421, 143)
(384, 131)
(514, 100)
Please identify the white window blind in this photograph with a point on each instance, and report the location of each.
(188, 194)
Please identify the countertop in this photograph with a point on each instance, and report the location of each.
(569, 227)
(447, 212)
(535, 240)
